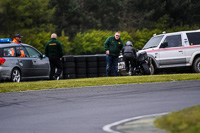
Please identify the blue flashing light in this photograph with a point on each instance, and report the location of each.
(5, 40)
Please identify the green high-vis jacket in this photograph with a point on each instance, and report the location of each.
(113, 45)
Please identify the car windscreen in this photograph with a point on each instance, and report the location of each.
(153, 42)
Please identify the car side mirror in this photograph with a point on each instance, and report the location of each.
(164, 45)
(43, 56)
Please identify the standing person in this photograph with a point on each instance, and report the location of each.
(113, 45)
(54, 51)
(17, 38)
(129, 55)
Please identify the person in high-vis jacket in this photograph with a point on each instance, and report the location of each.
(17, 38)
(54, 51)
(113, 45)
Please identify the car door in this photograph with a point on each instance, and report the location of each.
(40, 65)
(173, 53)
(24, 62)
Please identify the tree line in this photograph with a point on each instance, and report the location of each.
(83, 25)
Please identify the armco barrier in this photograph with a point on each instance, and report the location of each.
(84, 66)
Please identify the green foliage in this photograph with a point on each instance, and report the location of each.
(24, 14)
(39, 40)
(87, 23)
(92, 42)
(64, 40)
(141, 37)
(184, 121)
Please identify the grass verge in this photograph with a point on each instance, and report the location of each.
(68, 83)
(183, 121)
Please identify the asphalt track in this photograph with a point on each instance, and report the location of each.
(88, 109)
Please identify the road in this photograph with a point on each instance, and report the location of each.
(88, 109)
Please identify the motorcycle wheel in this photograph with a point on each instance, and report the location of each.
(146, 69)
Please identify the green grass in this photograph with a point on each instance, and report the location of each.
(68, 83)
(184, 121)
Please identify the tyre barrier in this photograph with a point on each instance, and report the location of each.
(86, 66)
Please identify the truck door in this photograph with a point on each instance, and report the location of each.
(173, 54)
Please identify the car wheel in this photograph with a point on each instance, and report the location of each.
(196, 65)
(16, 75)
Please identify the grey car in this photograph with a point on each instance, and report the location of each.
(22, 62)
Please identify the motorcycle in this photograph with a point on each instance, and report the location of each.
(143, 65)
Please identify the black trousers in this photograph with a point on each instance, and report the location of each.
(129, 61)
(55, 63)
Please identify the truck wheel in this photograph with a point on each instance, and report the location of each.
(16, 75)
(152, 69)
(196, 65)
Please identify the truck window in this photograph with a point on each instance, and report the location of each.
(194, 38)
(174, 41)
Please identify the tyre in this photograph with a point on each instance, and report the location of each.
(196, 65)
(101, 58)
(81, 76)
(80, 64)
(15, 75)
(68, 59)
(81, 71)
(92, 64)
(69, 76)
(92, 70)
(152, 69)
(80, 59)
(102, 69)
(102, 64)
(146, 70)
(92, 75)
(69, 65)
(91, 58)
(69, 70)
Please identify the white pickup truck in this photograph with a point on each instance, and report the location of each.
(178, 49)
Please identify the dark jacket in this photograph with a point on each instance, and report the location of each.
(53, 48)
(129, 51)
(113, 45)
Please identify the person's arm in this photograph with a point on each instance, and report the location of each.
(122, 44)
(60, 50)
(46, 50)
(123, 51)
(106, 46)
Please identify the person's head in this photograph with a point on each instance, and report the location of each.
(117, 35)
(129, 43)
(18, 37)
(53, 35)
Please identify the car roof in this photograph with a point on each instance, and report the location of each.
(2, 45)
(179, 32)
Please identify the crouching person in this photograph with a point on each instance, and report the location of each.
(129, 55)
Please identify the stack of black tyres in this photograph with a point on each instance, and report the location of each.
(101, 59)
(86, 66)
(81, 71)
(92, 66)
(69, 67)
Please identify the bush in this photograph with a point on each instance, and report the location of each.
(92, 42)
(39, 40)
